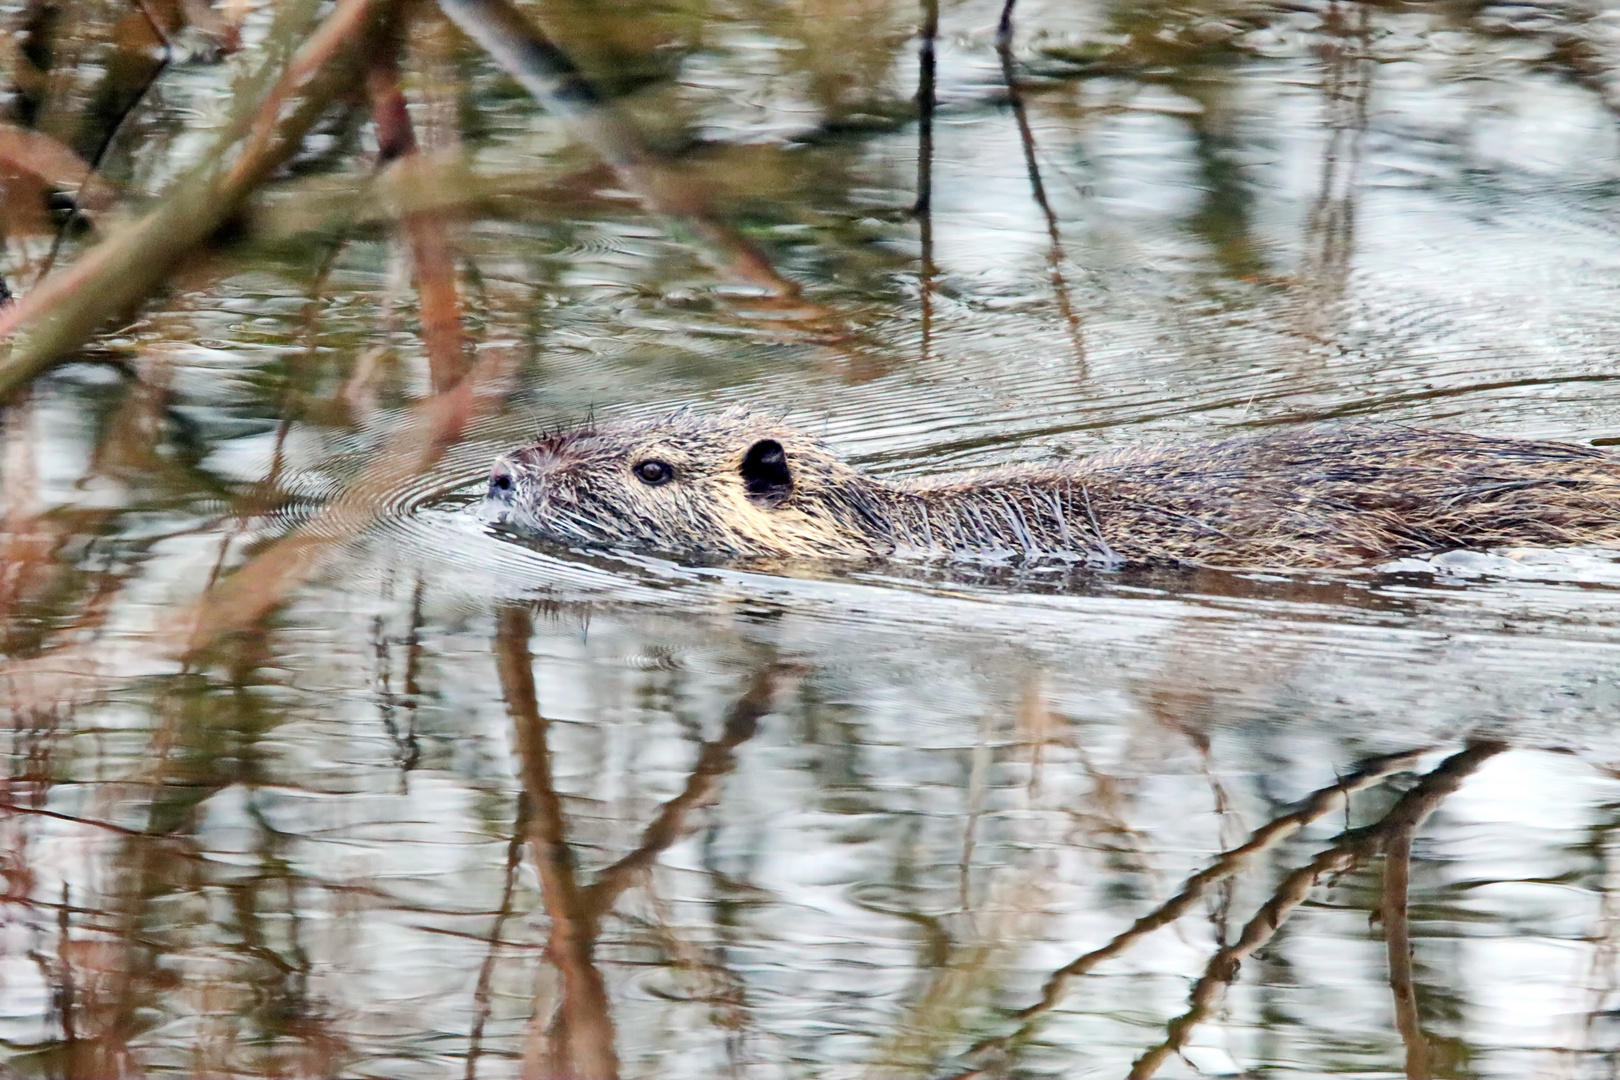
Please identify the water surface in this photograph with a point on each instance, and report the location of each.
(424, 802)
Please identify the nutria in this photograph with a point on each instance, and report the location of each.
(744, 485)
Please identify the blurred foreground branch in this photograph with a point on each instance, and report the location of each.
(82, 671)
(543, 70)
(433, 261)
(114, 277)
(263, 584)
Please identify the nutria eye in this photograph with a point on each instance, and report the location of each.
(653, 473)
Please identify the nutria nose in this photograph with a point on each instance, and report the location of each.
(500, 483)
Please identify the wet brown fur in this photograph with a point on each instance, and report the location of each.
(1305, 497)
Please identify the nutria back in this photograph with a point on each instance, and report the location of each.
(742, 485)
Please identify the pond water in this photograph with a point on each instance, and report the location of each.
(308, 772)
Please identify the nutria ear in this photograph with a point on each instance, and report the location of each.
(765, 474)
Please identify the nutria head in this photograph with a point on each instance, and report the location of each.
(733, 484)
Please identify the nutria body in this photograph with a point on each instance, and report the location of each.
(742, 485)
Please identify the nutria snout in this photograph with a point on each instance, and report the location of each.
(742, 485)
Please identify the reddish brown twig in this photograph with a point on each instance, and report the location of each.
(432, 258)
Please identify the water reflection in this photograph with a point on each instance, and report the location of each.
(698, 852)
(579, 1040)
(308, 773)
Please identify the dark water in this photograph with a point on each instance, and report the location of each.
(422, 802)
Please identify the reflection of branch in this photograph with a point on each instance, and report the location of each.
(924, 207)
(486, 972)
(1602, 970)
(583, 1047)
(1402, 820)
(9, 807)
(407, 749)
(958, 972)
(1054, 256)
(1398, 942)
(707, 977)
(582, 1044)
(1331, 224)
(62, 977)
(1320, 802)
(715, 760)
